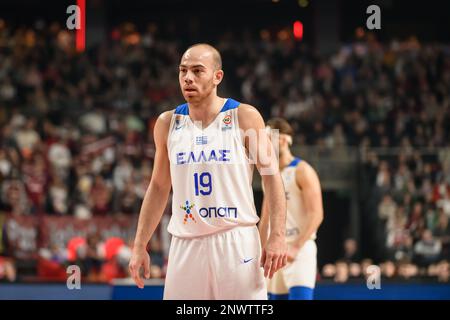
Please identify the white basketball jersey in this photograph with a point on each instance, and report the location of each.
(211, 177)
(294, 201)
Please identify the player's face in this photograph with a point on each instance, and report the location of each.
(198, 76)
(283, 145)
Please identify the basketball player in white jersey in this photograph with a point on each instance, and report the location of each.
(297, 280)
(204, 156)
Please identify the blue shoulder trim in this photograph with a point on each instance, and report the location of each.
(182, 109)
(294, 162)
(230, 104)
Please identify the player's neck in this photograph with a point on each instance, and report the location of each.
(206, 110)
(285, 159)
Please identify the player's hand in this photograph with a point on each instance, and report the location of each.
(139, 258)
(292, 252)
(274, 255)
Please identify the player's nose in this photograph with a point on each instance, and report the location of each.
(188, 77)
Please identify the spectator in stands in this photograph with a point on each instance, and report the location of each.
(443, 271)
(342, 272)
(383, 179)
(407, 270)
(354, 270)
(388, 269)
(365, 263)
(351, 253)
(442, 234)
(329, 270)
(60, 157)
(387, 208)
(58, 197)
(8, 270)
(5, 165)
(428, 249)
(36, 179)
(122, 173)
(100, 196)
(127, 200)
(90, 258)
(416, 223)
(27, 138)
(14, 198)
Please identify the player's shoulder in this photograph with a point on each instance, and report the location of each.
(180, 110)
(249, 116)
(302, 164)
(305, 170)
(162, 125)
(165, 117)
(247, 109)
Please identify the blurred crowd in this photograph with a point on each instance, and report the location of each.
(352, 266)
(76, 130)
(99, 260)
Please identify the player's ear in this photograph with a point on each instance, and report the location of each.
(218, 76)
(285, 141)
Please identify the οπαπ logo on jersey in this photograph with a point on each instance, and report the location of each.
(227, 122)
(188, 213)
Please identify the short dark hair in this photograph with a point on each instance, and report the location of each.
(282, 125)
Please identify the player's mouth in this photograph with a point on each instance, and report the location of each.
(190, 90)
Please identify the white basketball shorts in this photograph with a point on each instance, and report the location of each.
(301, 272)
(222, 266)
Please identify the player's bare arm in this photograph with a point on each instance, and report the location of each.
(263, 224)
(308, 181)
(154, 202)
(274, 252)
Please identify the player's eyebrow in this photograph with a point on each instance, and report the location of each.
(194, 66)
